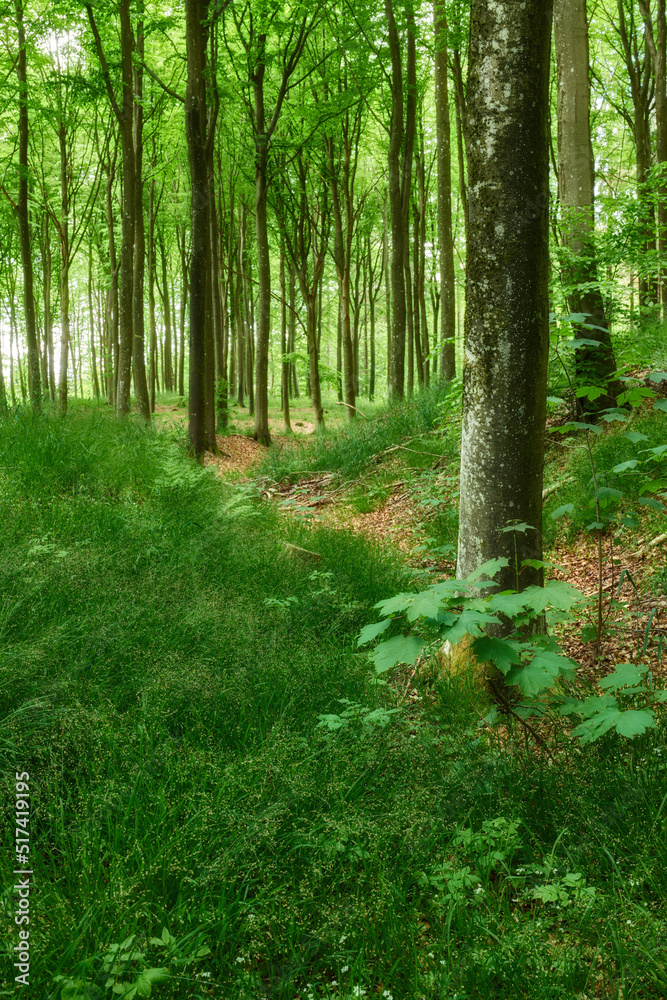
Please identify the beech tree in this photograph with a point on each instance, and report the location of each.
(507, 306)
(576, 174)
(21, 206)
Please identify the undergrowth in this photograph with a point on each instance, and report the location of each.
(354, 449)
(224, 801)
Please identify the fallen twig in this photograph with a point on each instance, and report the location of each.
(339, 402)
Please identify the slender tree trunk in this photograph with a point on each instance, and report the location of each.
(387, 287)
(34, 381)
(124, 116)
(64, 261)
(284, 365)
(48, 313)
(139, 261)
(399, 164)
(575, 181)
(460, 107)
(444, 159)
(195, 126)
(263, 259)
(152, 326)
(91, 316)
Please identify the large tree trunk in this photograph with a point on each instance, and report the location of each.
(507, 314)
(34, 381)
(444, 155)
(594, 365)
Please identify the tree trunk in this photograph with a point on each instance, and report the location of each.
(34, 381)
(284, 365)
(91, 317)
(507, 314)
(444, 158)
(152, 326)
(124, 116)
(195, 125)
(594, 365)
(48, 313)
(399, 165)
(139, 261)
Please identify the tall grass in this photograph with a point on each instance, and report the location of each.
(352, 451)
(164, 671)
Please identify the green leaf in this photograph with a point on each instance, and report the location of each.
(629, 521)
(487, 569)
(607, 493)
(660, 404)
(624, 466)
(614, 413)
(625, 675)
(509, 602)
(599, 724)
(541, 672)
(580, 342)
(555, 593)
(547, 893)
(372, 631)
(555, 399)
(590, 392)
(499, 651)
(577, 425)
(470, 622)
(657, 376)
(148, 978)
(650, 502)
(634, 722)
(635, 437)
(427, 604)
(400, 602)
(567, 508)
(521, 528)
(399, 649)
(596, 526)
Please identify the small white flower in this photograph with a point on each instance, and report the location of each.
(334, 983)
(388, 995)
(346, 968)
(343, 939)
(240, 959)
(431, 955)
(630, 923)
(358, 991)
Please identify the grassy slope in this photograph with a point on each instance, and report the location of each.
(162, 673)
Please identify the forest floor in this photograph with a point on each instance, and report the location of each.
(388, 508)
(219, 777)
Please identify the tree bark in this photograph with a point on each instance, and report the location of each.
(507, 314)
(594, 365)
(124, 116)
(195, 126)
(34, 380)
(399, 166)
(139, 259)
(444, 159)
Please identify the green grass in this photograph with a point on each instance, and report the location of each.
(356, 448)
(163, 671)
